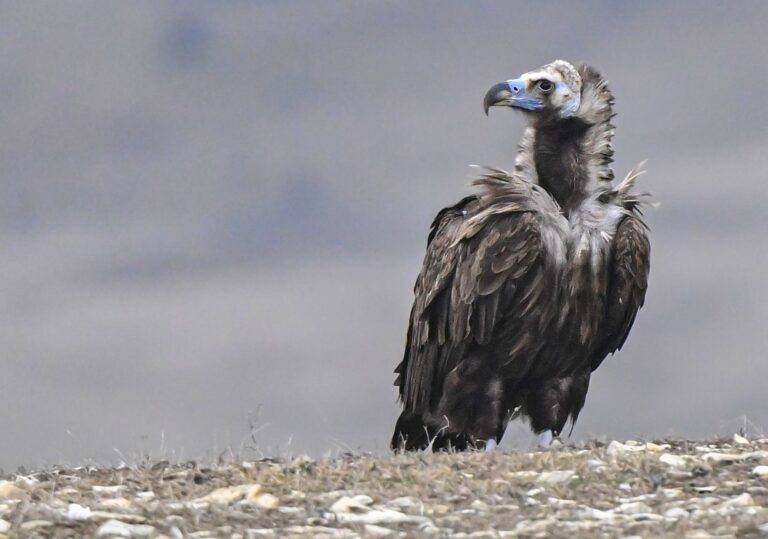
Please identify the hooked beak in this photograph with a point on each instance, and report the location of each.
(511, 93)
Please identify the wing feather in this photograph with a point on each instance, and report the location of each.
(477, 257)
(630, 267)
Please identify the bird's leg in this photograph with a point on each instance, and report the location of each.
(545, 438)
(490, 445)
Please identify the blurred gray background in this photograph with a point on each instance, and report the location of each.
(212, 213)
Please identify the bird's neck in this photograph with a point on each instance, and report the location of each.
(572, 158)
(560, 166)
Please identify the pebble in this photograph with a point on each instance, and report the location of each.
(676, 461)
(760, 471)
(111, 490)
(75, 511)
(379, 516)
(117, 528)
(676, 513)
(116, 503)
(650, 446)
(228, 495)
(31, 525)
(743, 500)
(352, 504)
(9, 491)
(739, 439)
(556, 476)
(596, 464)
(734, 457)
(372, 530)
(254, 533)
(4, 526)
(292, 511)
(265, 501)
(405, 502)
(596, 514)
(616, 448)
(633, 508)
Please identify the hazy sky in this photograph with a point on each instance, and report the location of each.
(212, 213)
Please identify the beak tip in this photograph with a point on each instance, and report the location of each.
(498, 94)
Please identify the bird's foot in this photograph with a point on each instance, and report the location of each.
(545, 439)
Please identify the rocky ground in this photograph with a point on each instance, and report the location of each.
(619, 489)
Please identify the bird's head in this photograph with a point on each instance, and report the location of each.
(552, 91)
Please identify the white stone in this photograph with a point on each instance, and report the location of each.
(251, 533)
(378, 516)
(265, 501)
(742, 500)
(35, 524)
(596, 464)
(4, 526)
(405, 502)
(556, 476)
(616, 448)
(596, 514)
(228, 495)
(676, 461)
(650, 446)
(111, 515)
(116, 503)
(479, 505)
(290, 510)
(75, 511)
(116, 528)
(26, 481)
(760, 471)
(739, 439)
(524, 475)
(631, 508)
(372, 530)
(108, 489)
(352, 504)
(734, 457)
(9, 491)
(676, 513)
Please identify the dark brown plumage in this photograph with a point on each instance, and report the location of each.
(529, 284)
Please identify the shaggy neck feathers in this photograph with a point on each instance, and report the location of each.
(571, 158)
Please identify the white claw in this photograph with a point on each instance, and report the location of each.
(490, 445)
(545, 438)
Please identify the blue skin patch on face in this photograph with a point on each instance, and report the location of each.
(572, 105)
(521, 98)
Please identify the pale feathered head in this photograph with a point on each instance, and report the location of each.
(553, 90)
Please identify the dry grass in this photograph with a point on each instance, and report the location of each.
(671, 489)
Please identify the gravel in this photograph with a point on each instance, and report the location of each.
(621, 489)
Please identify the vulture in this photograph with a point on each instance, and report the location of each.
(527, 285)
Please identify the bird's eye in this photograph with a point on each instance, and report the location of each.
(545, 85)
